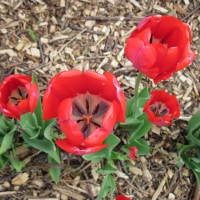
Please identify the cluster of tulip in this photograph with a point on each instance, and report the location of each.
(88, 105)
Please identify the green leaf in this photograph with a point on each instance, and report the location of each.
(141, 145)
(107, 169)
(143, 96)
(118, 156)
(194, 122)
(42, 144)
(3, 161)
(95, 157)
(108, 186)
(7, 141)
(48, 131)
(112, 141)
(55, 155)
(54, 172)
(143, 128)
(32, 131)
(15, 163)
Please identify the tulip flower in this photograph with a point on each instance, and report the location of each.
(133, 152)
(161, 108)
(122, 197)
(18, 95)
(160, 46)
(87, 106)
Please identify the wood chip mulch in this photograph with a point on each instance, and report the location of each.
(46, 37)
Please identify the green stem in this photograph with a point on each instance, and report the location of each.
(137, 83)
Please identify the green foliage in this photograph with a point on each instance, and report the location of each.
(32, 34)
(138, 124)
(7, 130)
(108, 186)
(112, 141)
(190, 154)
(54, 158)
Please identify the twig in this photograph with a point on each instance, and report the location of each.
(41, 51)
(7, 193)
(12, 65)
(74, 27)
(197, 192)
(70, 41)
(31, 57)
(36, 67)
(189, 14)
(100, 18)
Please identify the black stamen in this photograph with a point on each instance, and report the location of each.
(159, 106)
(87, 106)
(77, 110)
(96, 124)
(14, 98)
(152, 108)
(20, 93)
(95, 110)
(163, 112)
(103, 107)
(79, 120)
(86, 130)
(26, 96)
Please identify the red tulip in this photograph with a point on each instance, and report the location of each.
(133, 152)
(87, 106)
(160, 46)
(161, 108)
(18, 95)
(122, 197)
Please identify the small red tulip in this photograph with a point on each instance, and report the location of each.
(160, 46)
(161, 108)
(87, 106)
(122, 197)
(18, 95)
(133, 152)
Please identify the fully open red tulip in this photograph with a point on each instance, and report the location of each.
(161, 108)
(122, 197)
(160, 46)
(87, 106)
(18, 95)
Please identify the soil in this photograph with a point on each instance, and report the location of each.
(46, 37)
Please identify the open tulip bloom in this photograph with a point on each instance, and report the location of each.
(161, 108)
(87, 106)
(160, 46)
(18, 96)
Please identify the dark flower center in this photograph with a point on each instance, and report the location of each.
(18, 95)
(159, 109)
(88, 112)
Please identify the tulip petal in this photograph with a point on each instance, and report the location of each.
(93, 81)
(122, 197)
(14, 110)
(78, 150)
(144, 35)
(72, 132)
(142, 57)
(119, 96)
(33, 97)
(65, 110)
(66, 84)
(100, 134)
(185, 62)
(23, 106)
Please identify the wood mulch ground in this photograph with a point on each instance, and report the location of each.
(91, 34)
